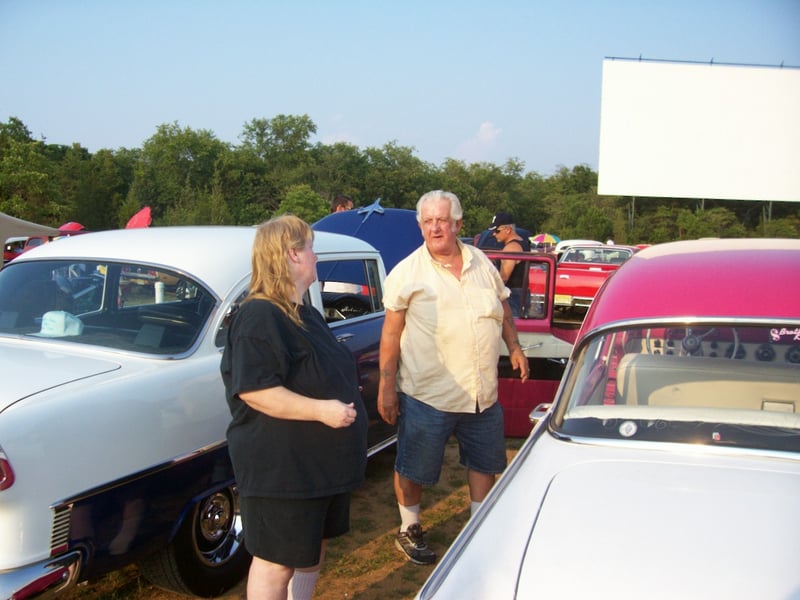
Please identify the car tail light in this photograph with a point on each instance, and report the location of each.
(6, 472)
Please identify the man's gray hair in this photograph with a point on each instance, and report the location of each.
(456, 212)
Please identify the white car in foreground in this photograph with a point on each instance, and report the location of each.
(112, 408)
(669, 464)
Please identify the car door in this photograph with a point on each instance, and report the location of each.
(546, 340)
(352, 293)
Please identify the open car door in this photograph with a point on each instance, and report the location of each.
(546, 340)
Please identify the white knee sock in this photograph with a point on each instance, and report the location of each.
(302, 584)
(473, 506)
(408, 516)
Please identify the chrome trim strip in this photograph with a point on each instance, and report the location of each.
(59, 534)
(381, 445)
(661, 321)
(41, 580)
(675, 448)
(140, 474)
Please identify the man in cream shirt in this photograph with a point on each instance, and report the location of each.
(446, 312)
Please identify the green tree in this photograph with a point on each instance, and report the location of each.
(71, 172)
(247, 187)
(283, 143)
(658, 226)
(176, 164)
(788, 227)
(715, 222)
(27, 188)
(304, 202)
(396, 176)
(339, 168)
(14, 130)
(527, 202)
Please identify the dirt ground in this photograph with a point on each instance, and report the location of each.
(364, 564)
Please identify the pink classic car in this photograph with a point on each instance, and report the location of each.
(669, 463)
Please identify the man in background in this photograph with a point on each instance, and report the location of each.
(341, 203)
(512, 272)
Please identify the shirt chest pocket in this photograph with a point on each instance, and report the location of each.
(484, 304)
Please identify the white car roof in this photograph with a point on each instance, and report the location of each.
(218, 256)
(564, 244)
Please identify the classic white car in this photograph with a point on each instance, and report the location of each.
(112, 409)
(669, 464)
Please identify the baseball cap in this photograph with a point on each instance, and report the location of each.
(501, 218)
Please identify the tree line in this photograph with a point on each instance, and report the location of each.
(189, 176)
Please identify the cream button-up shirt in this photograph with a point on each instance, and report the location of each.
(450, 345)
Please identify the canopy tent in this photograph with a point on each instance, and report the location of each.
(143, 218)
(71, 227)
(394, 232)
(13, 227)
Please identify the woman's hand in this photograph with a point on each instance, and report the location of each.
(336, 414)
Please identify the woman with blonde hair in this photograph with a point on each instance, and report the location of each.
(297, 439)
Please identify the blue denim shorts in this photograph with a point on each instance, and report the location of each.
(423, 431)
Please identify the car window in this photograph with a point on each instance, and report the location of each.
(350, 288)
(535, 303)
(118, 305)
(712, 384)
(531, 293)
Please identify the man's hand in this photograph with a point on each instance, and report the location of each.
(520, 361)
(388, 406)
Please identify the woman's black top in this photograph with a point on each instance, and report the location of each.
(281, 458)
(516, 278)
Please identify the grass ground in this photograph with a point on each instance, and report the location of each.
(362, 565)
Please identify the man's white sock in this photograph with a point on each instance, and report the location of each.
(408, 516)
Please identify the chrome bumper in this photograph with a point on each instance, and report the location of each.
(40, 580)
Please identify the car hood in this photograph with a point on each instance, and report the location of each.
(575, 520)
(26, 369)
(672, 530)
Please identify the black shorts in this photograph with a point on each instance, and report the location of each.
(289, 532)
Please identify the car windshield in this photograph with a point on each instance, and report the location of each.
(601, 255)
(721, 385)
(125, 306)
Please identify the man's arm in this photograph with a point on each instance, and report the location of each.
(507, 266)
(511, 338)
(393, 324)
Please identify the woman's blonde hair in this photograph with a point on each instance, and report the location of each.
(271, 278)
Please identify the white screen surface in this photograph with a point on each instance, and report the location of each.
(685, 130)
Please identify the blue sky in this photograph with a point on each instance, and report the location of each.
(474, 81)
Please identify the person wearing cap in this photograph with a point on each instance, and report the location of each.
(446, 313)
(512, 272)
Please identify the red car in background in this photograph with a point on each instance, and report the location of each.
(13, 248)
(580, 272)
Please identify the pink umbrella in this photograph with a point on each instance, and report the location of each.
(545, 238)
(140, 219)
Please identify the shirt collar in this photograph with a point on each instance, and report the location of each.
(466, 255)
